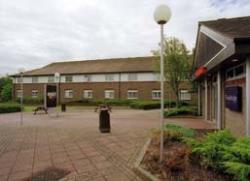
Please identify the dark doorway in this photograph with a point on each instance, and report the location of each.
(51, 95)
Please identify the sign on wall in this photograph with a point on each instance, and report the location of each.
(233, 98)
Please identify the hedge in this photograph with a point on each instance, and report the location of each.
(185, 110)
(146, 105)
(9, 107)
(31, 100)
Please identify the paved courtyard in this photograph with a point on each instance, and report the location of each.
(47, 147)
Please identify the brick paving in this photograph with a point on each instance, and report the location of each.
(72, 142)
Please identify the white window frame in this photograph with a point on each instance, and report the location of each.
(19, 93)
(234, 70)
(34, 93)
(70, 77)
(88, 94)
(185, 95)
(34, 79)
(69, 94)
(87, 78)
(135, 92)
(109, 77)
(132, 77)
(109, 94)
(51, 79)
(156, 94)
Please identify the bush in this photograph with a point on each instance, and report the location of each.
(31, 100)
(238, 159)
(186, 132)
(146, 105)
(213, 148)
(91, 102)
(9, 107)
(186, 110)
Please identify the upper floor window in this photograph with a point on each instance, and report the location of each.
(34, 79)
(236, 71)
(132, 94)
(156, 94)
(88, 94)
(185, 95)
(69, 78)
(132, 77)
(51, 79)
(34, 93)
(69, 93)
(87, 78)
(109, 94)
(110, 77)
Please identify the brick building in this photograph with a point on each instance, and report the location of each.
(222, 69)
(123, 78)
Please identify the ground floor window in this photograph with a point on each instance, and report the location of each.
(69, 94)
(88, 94)
(34, 93)
(132, 94)
(19, 93)
(185, 95)
(109, 94)
(156, 94)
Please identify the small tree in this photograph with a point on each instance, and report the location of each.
(176, 63)
(5, 89)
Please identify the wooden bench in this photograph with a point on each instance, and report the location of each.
(40, 108)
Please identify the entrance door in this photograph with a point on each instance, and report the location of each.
(51, 95)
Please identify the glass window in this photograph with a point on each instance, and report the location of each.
(68, 78)
(132, 94)
(88, 94)
(132, 77)
(109, 94)
(19, 93)
(239, 70)
(51, 79)
(68, 94)
(156, 94)
(34, 79)
(185, 95)
(109, 77)
(87, 78)
(34, 93)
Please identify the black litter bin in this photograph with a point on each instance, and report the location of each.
(104, 120)
(63, 107)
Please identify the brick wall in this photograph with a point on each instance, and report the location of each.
(144, 89)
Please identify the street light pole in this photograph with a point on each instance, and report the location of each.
(162, 15)
(21, 71)
(162, 95)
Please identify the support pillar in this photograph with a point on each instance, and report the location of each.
(247, 98)
(199, 99)
(219, 100)
(206, 100)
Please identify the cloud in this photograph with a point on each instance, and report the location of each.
(35, 33)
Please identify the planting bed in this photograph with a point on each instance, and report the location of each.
(177, 163)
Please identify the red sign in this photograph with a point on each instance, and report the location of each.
(200, 71)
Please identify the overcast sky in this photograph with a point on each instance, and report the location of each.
(34, 33)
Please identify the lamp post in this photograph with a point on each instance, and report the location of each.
(21, 71)
(57, 80)
(162, 15)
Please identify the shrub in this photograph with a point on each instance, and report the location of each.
(154, 104)
(92, 102)
(238, 159)
(213, 148)
(9, 107)
(186, 132)
(186, 110)
(6, 93)
(31, 100)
